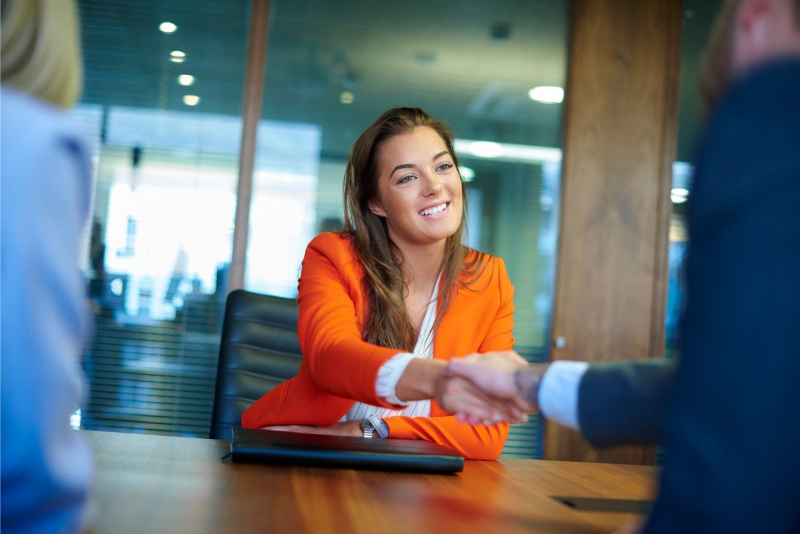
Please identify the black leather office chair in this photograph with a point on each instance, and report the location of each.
(259, 350)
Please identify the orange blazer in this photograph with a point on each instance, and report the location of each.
(339, 368)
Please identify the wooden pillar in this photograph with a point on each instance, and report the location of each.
(620, 142)
(251, 115)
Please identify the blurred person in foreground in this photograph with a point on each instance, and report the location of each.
(45, 175)
(727, 410)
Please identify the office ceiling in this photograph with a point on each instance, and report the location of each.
(470, 62)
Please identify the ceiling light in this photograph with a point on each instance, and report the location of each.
(191, 100)
(167, 27)
(177, 56)
(508, 151)
(547, 94)
(485, 149)
(679, 195)
(346, 97)
(467, 174)
(186, 79)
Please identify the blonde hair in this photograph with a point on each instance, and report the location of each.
(40, 49)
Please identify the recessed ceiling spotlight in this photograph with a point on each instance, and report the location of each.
(186, 79)
(167, 27)
(176, 56)
(191, 100)
(547, 94)
(346, 97)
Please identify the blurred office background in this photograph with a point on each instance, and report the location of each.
(162, 106)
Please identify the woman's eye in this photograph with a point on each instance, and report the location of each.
(406, 179)
(444, 166)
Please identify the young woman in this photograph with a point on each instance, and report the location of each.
(386, 303)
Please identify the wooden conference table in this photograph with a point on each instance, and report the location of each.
(151, 483)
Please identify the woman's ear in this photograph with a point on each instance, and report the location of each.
(375, 207)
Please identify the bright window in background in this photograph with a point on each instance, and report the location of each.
(170, 264)
(282, 207)
(162, 109)
(335, 66)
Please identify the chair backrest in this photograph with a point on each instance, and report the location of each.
(258, 351)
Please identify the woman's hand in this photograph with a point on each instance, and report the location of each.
(347, 428)
(472, 405)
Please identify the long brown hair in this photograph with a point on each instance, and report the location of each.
(388, 323)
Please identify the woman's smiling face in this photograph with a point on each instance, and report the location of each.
(419, 189)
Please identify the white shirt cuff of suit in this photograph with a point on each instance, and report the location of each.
(389, 375)
(558, 392)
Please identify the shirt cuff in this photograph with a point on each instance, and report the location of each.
(558, 393)
(389, 375)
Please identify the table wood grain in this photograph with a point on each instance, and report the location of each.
(148, 483)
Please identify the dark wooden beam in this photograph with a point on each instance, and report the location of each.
(620, 142)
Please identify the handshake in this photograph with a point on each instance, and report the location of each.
(488, 388)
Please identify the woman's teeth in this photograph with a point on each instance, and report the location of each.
(434, 210)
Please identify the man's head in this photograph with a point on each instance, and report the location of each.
(748, 33)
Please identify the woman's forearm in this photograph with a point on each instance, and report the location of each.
(418, 381)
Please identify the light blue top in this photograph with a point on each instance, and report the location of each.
(45, 182)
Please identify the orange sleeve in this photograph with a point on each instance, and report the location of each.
(474, 442)
(341, 363)
(500, 336)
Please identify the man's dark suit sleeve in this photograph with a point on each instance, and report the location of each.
(732, 429)
(623, 402)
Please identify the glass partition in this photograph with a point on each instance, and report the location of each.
(161, 106)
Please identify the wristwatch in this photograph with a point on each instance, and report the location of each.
(373, 424)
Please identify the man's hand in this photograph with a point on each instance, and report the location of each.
(503, 377)
(471, 405)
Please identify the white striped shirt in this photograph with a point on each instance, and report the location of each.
(390, 373)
